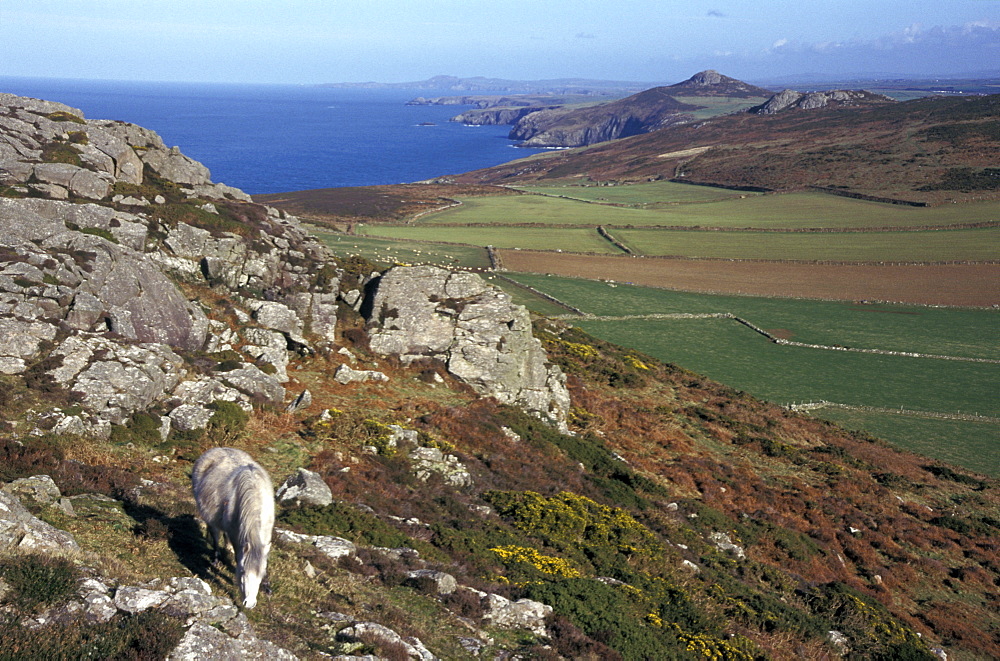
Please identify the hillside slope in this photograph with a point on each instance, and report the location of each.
(639, 113)
(480, 483)
(934, 149)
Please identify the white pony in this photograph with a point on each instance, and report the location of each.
(235, 498)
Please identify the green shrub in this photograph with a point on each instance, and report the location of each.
(60, 152)
(606, 537)
(227, 423)
(613, 477)
(867, 624)
(63, 116)
(142, 429)
(37, 580)
(349, 522)
(146, 636)
(608, 614)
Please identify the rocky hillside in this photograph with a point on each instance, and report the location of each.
(787, 99)
(455, 479)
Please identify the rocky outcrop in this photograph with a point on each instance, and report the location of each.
(89, 281)
(474, 329)
(364, 631)
(646, 111)
(52, 150)
(56, 270)
(790, 99)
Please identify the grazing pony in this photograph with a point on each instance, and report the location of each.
(235, 498)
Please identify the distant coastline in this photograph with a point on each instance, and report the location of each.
(479, 84)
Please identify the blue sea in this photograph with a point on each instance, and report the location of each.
(280, 138)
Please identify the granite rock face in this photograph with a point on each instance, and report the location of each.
(90, 295)
(474, 329)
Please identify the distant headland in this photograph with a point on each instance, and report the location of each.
(482, 84)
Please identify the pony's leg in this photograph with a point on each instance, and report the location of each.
(218, 540)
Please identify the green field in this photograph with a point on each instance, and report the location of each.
(721, 105)
(729, 352)
(964, 332)
(911, 246)
(660, 202)
(545, 238)
(970, 444)
(387, 253)
(640, 195)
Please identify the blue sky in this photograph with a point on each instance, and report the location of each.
(315, 41)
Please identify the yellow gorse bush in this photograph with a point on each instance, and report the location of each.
(546, 564)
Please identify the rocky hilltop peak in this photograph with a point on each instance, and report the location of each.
(712, 83)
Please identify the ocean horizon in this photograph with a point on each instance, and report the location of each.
(278, 138)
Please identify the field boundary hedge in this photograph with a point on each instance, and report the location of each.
(769, 336)
(823, 404)
(870, 198)
(577, 312)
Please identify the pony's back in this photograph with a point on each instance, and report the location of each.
(210, 481)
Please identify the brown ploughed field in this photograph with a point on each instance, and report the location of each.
(939, 284)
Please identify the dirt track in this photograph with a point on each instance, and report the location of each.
(950, 284)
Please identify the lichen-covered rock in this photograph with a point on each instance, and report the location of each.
(521, 614)
(427, 461)
(333, 547)
(114, 379)
(345, 375)
(188, 417)
(791, 99)
(725, 544)
(206, 642)
(21, 339)
(134, 600)
(267, 347)
(136, 299)
(474, 329)
(252, 381)
(38, 488)
(443, 583)
(173, 165)
(21, 530)
(364, 630)
(304, 487)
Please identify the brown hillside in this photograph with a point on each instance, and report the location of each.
(935, 150)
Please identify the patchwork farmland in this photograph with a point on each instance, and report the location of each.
(647, 262)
